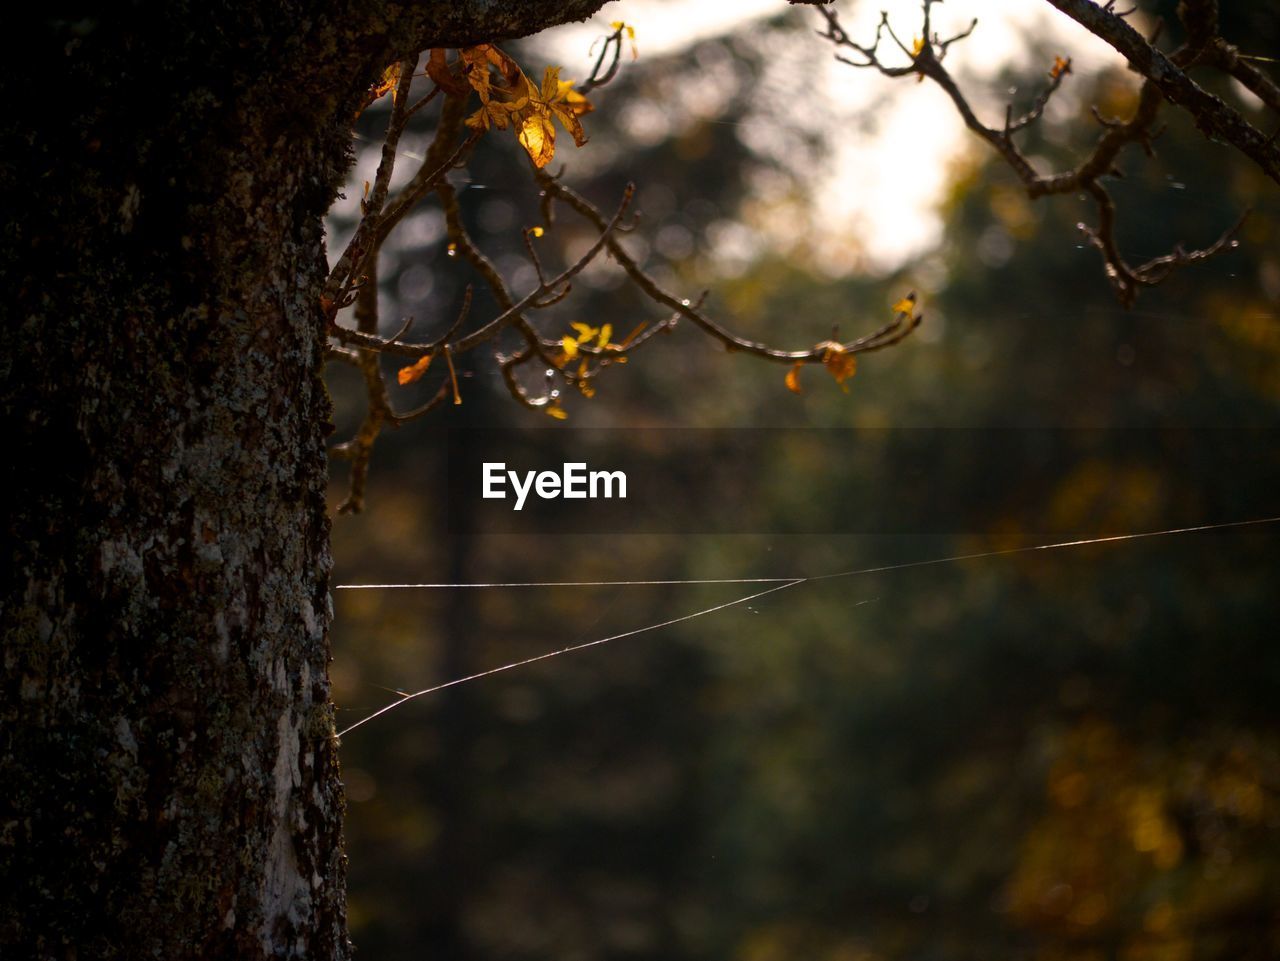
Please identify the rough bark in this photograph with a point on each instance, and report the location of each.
(170, 775)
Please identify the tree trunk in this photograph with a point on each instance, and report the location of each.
(167, 756)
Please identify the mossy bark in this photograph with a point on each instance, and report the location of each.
(169, 770)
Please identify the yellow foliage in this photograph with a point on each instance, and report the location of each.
(630, 31)
(516, 101)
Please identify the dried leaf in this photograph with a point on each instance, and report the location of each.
(792, 379)
(441, 74)
(476, 65)
(494, 113)
(630, 31)
(538, 136)
(407, 375)
(1060, 66)
(565, 104)
(387, 83)
(840, 363)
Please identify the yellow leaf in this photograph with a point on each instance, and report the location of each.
(586, 333)
(538, 137)
(550, 84)
(917, 48)
(630, 31)
(387, 83)
(408, 375)
(495, 113)
(536, 231)
(906, 305)
(477, 68)
(605, 333)
(556, 411)
(570, 347)
(569, 120)
(567, 105)
(793, 379)
(572, 99)
(1060, 66)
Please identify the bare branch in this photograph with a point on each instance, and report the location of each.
(1211, 114)
(1100, 163)
(685, 308)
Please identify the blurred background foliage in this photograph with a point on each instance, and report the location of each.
(1067, 755)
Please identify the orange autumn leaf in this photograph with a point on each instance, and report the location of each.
(554, 100)
(499, 105)
(1060, 67)
(480, 58)
(513, 100)
(407, 375)
(556, 411)
(386, 83)
(840, 363)
(792, 379)
(439, 71)
(495, 113)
